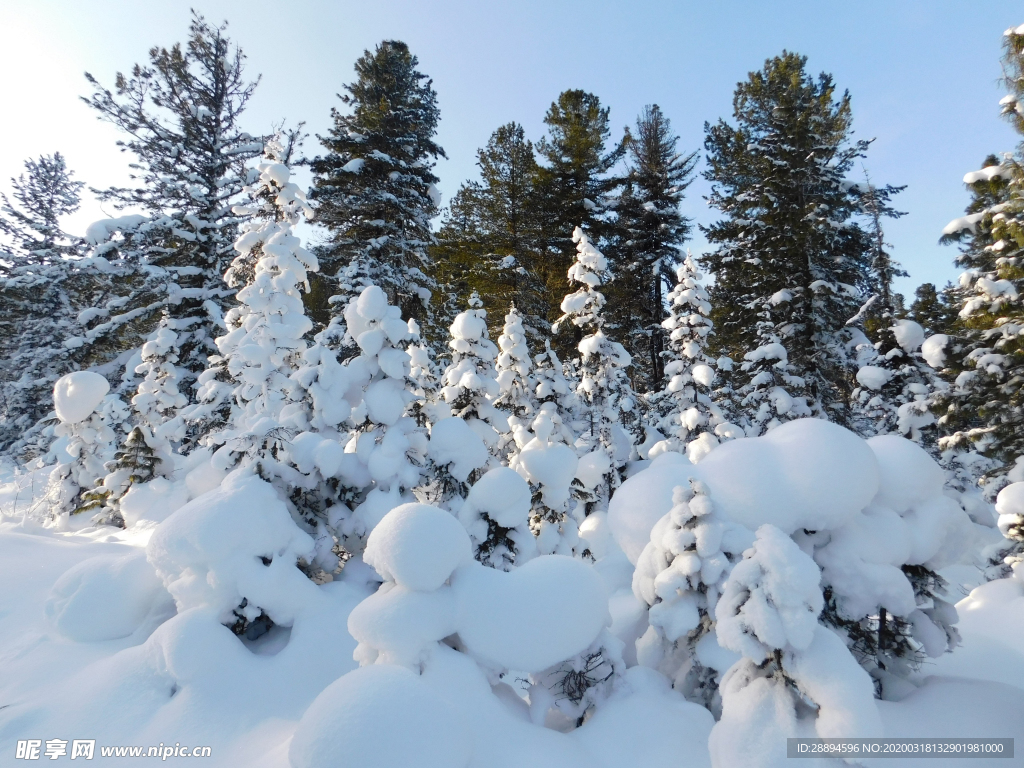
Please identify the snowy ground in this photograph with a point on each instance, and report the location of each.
(245, 702)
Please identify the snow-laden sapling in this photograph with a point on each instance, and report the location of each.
(515, 384)
(87, 435)
(606, 397)
(680, 575)
(496, 514)
(796, 677)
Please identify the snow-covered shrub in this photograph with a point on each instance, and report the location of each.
(497, 515)
(796, 677)
(872, 514)
(91, 422)
(680, 575)
(235, 552)
(1010, 506)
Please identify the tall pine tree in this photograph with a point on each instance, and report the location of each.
(791, 261)
(650, 230)
(374, 188)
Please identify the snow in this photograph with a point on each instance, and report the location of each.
(909, 334)
(502, 494)
(454, 443)
(417, 546)
(77, 395)
(535, 616)
(934, 350)
(105, 598)
(380, 716)
(873, 377)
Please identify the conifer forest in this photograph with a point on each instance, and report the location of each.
(717, 486)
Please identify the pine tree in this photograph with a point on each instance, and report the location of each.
(574, 184)
(792, 668)
(89, 428)
(374, 189)
(42, 293)
(489, 239)
(649, 231)
(984, 359)
(180, 114)
(934, 311)
(791, 260)
(607, 402)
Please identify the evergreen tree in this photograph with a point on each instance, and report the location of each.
(470, 384)
(181, 116)
(574, 184)
(243, 396)
(489, 240)
(42, 293)
(374, 188)
(515, 384)
(32, 222)
(685, 409)
(649, 231)
(680, 575)
(934, 311)
(791, 261)
(985, 358)
(607, 402)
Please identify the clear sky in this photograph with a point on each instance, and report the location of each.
(924, 77)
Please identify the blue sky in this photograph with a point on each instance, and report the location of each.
(923, 76)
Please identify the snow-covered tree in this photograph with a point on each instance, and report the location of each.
(515, 384)
(374, 188)
(895, 385)
(984, 359)
(180, 114)
(606, 398)
(90, 428)
(470, 385)
(790, 258)
(680, 575)
(41, 294)
(387, 447)
(249, 384)
(496, 514)
(686, 410)
(793, 669)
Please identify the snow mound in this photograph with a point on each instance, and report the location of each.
(907, 474)
(236, 543)
(417, 546)
(380, 716)
(104, 598)
(78, 394)
(807, 473)
(454, 443)
(533, 617)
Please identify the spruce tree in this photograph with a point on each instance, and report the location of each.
(180, 114)
(515, 384)
(374, 188)
(984, 359)
(574, 184)
(934, 311)
(791, 261)
(490, 237)
(648, 234)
